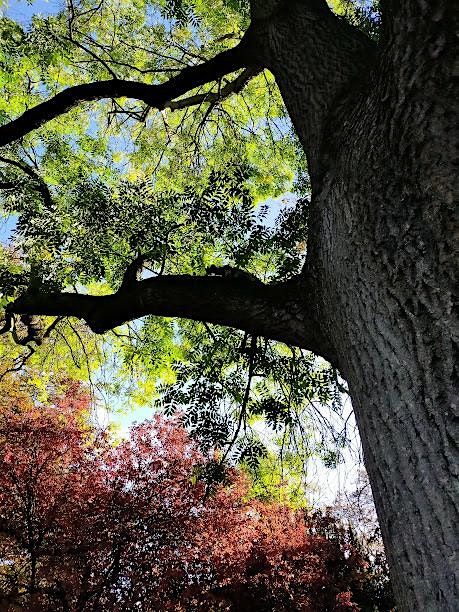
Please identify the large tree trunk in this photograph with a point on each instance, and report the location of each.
(380, 264)
(381, 261)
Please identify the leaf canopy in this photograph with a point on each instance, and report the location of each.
(187, 187)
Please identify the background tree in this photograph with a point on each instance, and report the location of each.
(85, 525)
(375, 121)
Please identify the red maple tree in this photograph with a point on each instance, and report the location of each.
(88, 525)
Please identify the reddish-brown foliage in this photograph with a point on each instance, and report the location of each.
(86, 525)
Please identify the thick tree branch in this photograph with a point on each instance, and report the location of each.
(156, 96)
(213, 97)
(8, 184)
(264, 310)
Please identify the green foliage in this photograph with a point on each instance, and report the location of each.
(189, 188)
(364, 14)
(280, 477)
(188, 12)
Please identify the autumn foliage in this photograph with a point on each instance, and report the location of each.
(88, 525)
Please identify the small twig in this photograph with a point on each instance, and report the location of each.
(210, 332)
(51, 327)
(95, 57)
(21, 363)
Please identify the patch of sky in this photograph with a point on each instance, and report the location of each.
(7, 227)
(282, 126)
(123, 419)
(155, 17)
(122, 142)
(270, 209)
(23, 12)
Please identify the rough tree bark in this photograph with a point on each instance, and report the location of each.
(376, 294)
(381, 263)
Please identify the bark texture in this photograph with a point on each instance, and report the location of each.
(380, 262)
(376, 296)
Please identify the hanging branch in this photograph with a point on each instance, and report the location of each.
(243, 412)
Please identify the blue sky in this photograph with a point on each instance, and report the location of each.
(6, 227)
(22, 11)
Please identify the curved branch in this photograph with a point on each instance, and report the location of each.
(156, 96)
(264, 310)
(41, 185)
